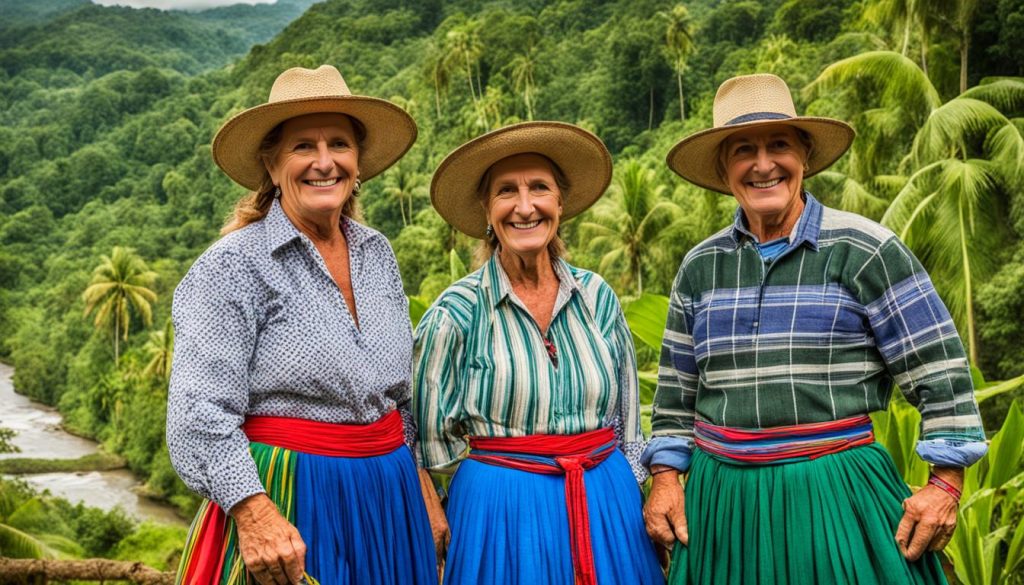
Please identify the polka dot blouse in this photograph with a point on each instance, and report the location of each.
(261, 328)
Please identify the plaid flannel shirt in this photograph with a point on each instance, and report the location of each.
(820, 333)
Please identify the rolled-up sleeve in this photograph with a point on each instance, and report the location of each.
(675, 399)
(215, 325)
(922, 350)
(438, 359)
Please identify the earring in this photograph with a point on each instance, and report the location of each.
(489, 231)
(277, 192)
(356, 188)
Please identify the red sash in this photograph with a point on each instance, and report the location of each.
(320, 438)
(207, 546)
(567, 455)
(785, 443)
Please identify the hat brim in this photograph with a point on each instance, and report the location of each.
(581, 156)
(390, 132)
(695, 158)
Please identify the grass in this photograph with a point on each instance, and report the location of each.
(91, 462)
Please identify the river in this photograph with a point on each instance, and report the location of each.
(40, 435)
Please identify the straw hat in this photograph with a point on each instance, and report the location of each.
(750, 101)
(581, 156)
(297, 92)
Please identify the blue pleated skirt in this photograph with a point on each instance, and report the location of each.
(363, 520)
(512, 527)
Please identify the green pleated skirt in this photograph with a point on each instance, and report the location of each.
(828, 520)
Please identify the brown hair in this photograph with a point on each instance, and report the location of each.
(487, 247)
(255, 206)
(801, 134)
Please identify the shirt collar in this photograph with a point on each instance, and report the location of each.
(281, 230)
(497, 286)
(806, 229)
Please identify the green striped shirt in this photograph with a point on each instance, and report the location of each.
(482, 368)
(821, 333)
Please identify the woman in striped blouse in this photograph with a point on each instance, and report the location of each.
(529, 363)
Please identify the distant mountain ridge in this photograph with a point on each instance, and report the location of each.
(92, 40)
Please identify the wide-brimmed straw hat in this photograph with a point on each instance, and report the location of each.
(581, 156)
(390, 131)
(744, 102)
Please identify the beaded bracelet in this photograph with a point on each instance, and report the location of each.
(944, 486)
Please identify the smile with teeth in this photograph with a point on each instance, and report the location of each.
(766, 184)
(526, 225)
(322, 183)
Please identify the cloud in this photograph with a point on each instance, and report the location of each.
(178, 4)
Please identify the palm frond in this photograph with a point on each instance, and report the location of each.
(845, 193)
(1006, 94)
(892, 78)
(958, 128)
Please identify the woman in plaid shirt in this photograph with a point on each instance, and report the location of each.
(784, 331)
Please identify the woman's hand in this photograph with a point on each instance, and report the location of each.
(665, 510)
(438, 522)
(271, 547)
(929, 516)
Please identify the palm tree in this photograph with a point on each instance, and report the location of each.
(438, 70)
(679, 45)
(625, 227)
(886, 98)
(160, 350)
(965, 160)
(120, 283)
(523, 66)
(462, 46)
(404, 184)
(965, 11)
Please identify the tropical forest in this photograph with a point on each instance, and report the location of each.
(108, 194)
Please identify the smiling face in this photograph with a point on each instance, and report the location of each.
(524, 203)
(316, 164)
(764, 168)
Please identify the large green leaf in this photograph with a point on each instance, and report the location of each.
(417, 307)
(646, 317)
(897, 430)
(1005, 450)
(996, 388)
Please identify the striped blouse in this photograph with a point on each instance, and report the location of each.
(482, 368)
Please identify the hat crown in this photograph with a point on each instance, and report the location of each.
(752, 94)
(301, 83)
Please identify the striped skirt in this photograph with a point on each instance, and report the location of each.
(362, 518)
(827, 519)
(511, 526)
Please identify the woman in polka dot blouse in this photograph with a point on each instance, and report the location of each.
(289, 401)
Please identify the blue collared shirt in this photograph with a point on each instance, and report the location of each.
(261, 328)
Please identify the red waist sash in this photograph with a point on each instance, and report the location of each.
(567, 455)
(334, 440)
(785, 443)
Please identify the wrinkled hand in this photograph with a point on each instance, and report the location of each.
(271, 547)
(929, 517)
(665, 511)
(438, 522)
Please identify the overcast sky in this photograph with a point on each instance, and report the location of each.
(178, 4)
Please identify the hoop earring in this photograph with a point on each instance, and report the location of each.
(357, 188)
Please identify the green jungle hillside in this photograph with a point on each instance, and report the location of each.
(106, 176)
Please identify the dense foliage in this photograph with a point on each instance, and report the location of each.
(107, 115)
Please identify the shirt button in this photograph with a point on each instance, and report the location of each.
(756, 323)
